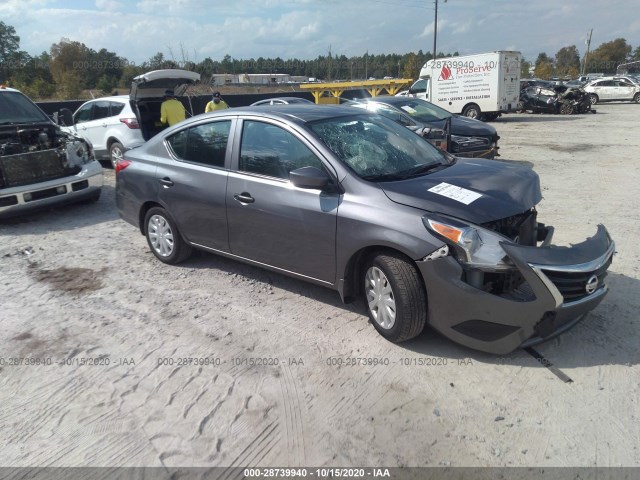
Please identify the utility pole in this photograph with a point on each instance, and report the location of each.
(588, 42)
(435, 30)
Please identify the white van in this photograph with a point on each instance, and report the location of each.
(483, 85)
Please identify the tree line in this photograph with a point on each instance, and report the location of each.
(69, 67)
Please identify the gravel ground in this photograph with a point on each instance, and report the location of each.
(215, 363)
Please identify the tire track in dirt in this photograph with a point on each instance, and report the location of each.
(292, 418)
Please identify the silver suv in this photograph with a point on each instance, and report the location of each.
(609, 89)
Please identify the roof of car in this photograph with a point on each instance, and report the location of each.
(112, 98)
(298, 112)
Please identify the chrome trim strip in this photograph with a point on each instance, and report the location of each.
(557, 296)
(260, 264)
(581, 267)
(598, 293)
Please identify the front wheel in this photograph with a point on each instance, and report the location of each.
(116, 153)
(163, 237)
(566, 109)
(636, 98)
(395, 297)
(594, 99)
(472, 111)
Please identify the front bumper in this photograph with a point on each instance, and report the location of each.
(562, 284)
(17, 200)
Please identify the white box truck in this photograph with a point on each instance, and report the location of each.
(477, 86)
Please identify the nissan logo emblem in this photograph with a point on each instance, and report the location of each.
(592, 285)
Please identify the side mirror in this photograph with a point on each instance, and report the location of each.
(65, 117)
(309, 177)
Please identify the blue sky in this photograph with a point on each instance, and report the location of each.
(246, 29)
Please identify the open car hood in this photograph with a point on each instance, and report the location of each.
(153, 84)
(504, 190)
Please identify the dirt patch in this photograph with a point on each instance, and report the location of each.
(574, 148)
(23, 336)
(70, 280)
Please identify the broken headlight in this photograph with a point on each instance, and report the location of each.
(475, 246)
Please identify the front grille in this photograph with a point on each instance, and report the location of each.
(33, 167)
(572, 285)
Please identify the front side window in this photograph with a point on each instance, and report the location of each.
(272, 151)
(205, 144)
(378, 149)
(84, 113)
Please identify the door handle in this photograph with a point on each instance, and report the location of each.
(166, 182)
(244, 197)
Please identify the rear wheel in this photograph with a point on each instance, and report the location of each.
(472, 111)
(116, 153)
(594, 99)
(163, 237)
(395, 297)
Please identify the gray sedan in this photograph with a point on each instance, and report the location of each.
(353, 201)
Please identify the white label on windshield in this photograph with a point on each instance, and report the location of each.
(458, 194)
(409, 110)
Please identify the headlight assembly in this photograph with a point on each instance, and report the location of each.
(476, 246)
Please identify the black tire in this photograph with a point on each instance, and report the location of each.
(116, 151)
(636, 98)
(395, 274)
(490, 117)
(566, 109)
(472, 111)
(594, 99)
(163, 237)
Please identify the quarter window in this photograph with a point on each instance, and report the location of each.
(272, 151)
(205, 144)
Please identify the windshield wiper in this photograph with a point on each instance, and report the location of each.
(383, 177)
(419, 170)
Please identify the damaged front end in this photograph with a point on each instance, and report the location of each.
(502, 285)
(41, 165)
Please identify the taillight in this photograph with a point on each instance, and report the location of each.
(130, 122)
(121, 165)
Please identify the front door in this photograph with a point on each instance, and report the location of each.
(270, 220)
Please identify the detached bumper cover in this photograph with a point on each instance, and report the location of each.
(562, 285)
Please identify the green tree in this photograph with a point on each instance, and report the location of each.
(608, 56)
(9, 45)
(567, 59)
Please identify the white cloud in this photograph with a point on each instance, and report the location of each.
(109, 5)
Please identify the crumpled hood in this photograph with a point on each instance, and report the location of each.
(505, 190)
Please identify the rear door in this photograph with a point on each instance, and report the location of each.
(193, 181)
(270, 220)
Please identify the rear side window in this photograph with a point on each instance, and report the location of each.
(116, 108)
(272, 151)
(205, 144)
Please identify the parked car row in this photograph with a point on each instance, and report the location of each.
(347, 197)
